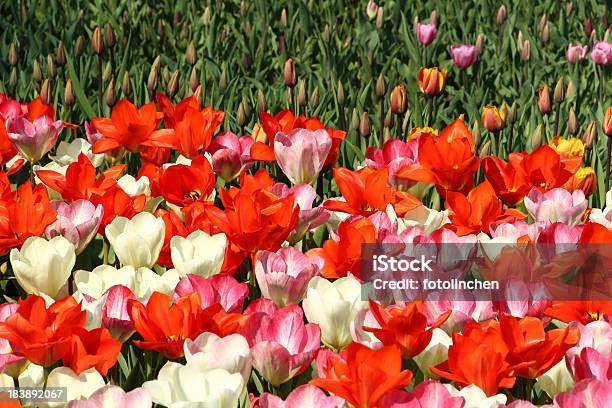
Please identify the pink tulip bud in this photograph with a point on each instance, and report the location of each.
(463, 55)
(426, 33)
(602, 53)
(301, 153)
(576, 53)
(33, 139)
(78, 222)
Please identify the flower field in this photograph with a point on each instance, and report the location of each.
(303, 204)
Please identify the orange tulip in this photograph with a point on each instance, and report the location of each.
(584, 180)
(362, 376)
(475, 212)
(493, 119)
(509, 182)
(544, 100)
(606, 124)
(431, 81)
(583, 311)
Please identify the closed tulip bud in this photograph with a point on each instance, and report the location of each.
(340, 93)
(588, 27)
(290, 76)
(433, 17)
(60, 55)
(325, 34)
(173, 84)
(36, 71)
(190, 53)
(262, 105)
(365, 127)
(126, 85)
(425, 33)
(283, 18)
(501, 15)
(45, 92)
(399, 100)
(572, 122)
(512, 113)
(152, 79)
(526, 51)
(485, 149)
(389, 119)
(246, 107)
(194, 79)
(380, 17)
(568, 8)
(355, 119)
(545, 34)
(302, 95)
(223, 79)
(380, 86)
(493, 119)
(607, 122)
(108, 71)
(519, 40)
(12, 55)
(544, 100)
(543, 22)
(479, 43)
(314, 98)
(197, 94)
(431, 81)
(607, 36)
(571, 90)
(68, 93)
(476, 132)
(241, 119)
(78, 46)
(109, 36)
(248, 30)
(371, 9)
(590, 134)
(13, 77)
(559, 94)
(51, 71)
(97, 46)
(110, 94)
(206, 15)
(536, 137)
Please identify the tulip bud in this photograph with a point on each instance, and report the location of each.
(501, 15)
(380, 17)
(340, 93)
(110, 94)
(190, 53)
(355, 121)
(590, 134)
(78, 46)
(262, 105)
(399, 100)
(194, 79)
(433, 17)
(568, 8)
(206, 16)
(588, 27)
(544, 100)
(241, 116)
(290, 75)
(389, 119)
(108, 71)
(365, 127)
(152, 79)
(302, 96)
(248, 30)
(431, 81)
(485, 149)
(493, 119)
(380, 86)
(173, 84)
(570, 91)
(68, 93)
(476, 133)
(45, 92)
(13, 77)
(109, 36)
(36, 71)
(97, 46)
(511, 118)
(223, 79)
(559, 94)
(51, 71)
(314, 98)
(526, 51)
(543, 22)
(242, 9)
(607, 122)
(60, 55)
(536, 137)
(519, 40)
(126, 85)
(325, 34)
(607, 36)
(572, 122)
(479, 43)
(371, 9)
(283, 18)
(12, 55)
(545, 34)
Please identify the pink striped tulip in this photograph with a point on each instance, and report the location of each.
(301, 153)
(602, 53)
(33, 139)
(222, 289)
(230, 154)
(576, 53)
(426, 33)
(590, 363)
(587, 393)
(78, 222)
(303, 396)
(431, 394)
(115, 316)
(463, 55)
(556, 205)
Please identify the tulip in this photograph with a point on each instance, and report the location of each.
(282, 346)
(301, 153)
(463, 55)
(587, 393)
(435, 353)
(33, 139)
(179, 385)
(544, 100)
(305, 395)
(283, 276)
(583, 180)
(114, 313)
(43, 267)
(76, 386)
(557, 379)
(67, 153)
(198, 254)
(426, 33)
(333, 306)
(399, 100)
(431, 81)
(112, 395)
(371, 10)
(425, 394)
(602, 53)
(556, 205)
(289, 74)
(493, 119)
(230, 353)
(606, 124)
(596, 335)
(133, 187)
(475, 397)
(78, 222)
(576, 53)
(137, 241)
(231, 155)
(8, 358)
(222, 289)
(589, 363)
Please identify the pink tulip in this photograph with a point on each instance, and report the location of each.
(230, 154)
(586, 393)
(463, 55)
(596, 334)
(305, 395)
(33, 139)
(115, 316)
(559, 233)
(282, 346)
(576, 53)
(231, 353)
(556, 205)
(301, 153)
(92, 133)
(394, 155)
(426, 33)
(10, 108)
(223, 289)
(309, 217)
(261, 305)
(431, 394)
(283, 276)
(514, 230)
(78, 222)
(7, 355)
(590, 363)
(114, 396)
(464, 308)
(602, 53)
(522, 299)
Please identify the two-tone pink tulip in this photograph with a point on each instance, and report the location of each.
(602, 53)
(301, 153)
(557, 205)
(114, 396)
(78, 222)
(303, 396)
(33, 139)
(230, 154)
(576, 53)
(463, 55)
(222, 289)
(426, 33)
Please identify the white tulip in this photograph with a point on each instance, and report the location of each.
(557, 379)
(435, 353)
(67, 153)
(426, 218)
(77, 386)
(180, 386)
(231, 353)
(43, 266)
(198, 254)
(133, 187)
(333, 306)
(476, 398)
(147, 282)
(137, 241)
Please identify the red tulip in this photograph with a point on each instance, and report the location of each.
(181, 184)
(95, 348)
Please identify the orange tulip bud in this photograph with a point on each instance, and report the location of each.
(431, 81)
(399, 100)
(493, 119)
(544, 100)
(607, 122)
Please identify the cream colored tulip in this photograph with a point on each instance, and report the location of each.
(435, 353)
(198, 254)
(77, 386)
(137, 241)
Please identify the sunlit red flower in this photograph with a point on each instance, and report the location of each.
(182, 184)
(583, 311)
(117, 203)
(95, 348)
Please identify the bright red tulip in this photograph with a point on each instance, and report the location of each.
(117, 203)
(95, 348)
(583, 311)
(181, 184)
